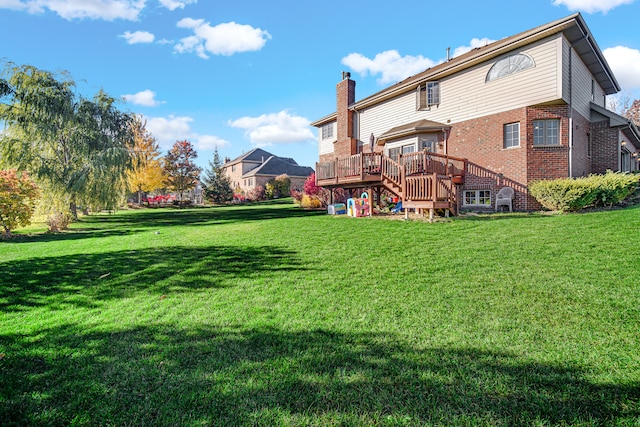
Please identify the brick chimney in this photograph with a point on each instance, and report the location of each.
(346, 144)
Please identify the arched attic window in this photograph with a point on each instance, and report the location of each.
(510, 65)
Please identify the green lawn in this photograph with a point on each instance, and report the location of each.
(271, 315)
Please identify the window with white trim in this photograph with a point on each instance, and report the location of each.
(327, 131)
(394, 153)
(427, 94)
(511, 135)
(546, 132)
(428, 142)
(479, 198)
(510, 65)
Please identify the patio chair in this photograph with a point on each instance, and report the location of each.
(505, 198)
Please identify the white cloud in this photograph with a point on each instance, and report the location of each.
(210, 142)
(389, 64)
(472, 45)
(12, 4)
(146, 98)
(108, 10)
(392, 68)
(175, 4)
(168, 130)
(138, 37)
(625, 63)
(275, 128)
(591, 6)
(222, 39)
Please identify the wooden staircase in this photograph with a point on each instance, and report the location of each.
(422, 180)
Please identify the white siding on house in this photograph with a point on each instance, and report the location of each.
(325, 146)
(467, 95)
(581, 87)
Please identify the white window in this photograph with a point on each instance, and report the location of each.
(427, 94)
(511, 135)
(481, 198)
(509, 65)
(546, 132)
(406, 149)
(327, 131)
(428, 143)
(394, 153)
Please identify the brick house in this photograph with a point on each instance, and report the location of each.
(531, 106)
(258, 166)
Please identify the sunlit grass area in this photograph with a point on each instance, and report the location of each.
(267, 314)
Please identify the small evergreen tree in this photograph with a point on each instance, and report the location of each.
(216, 183)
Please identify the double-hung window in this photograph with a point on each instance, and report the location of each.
(327, 131)
(427, 94)
(511, 135)
(546, 132)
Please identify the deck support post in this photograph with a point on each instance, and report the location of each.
(431, 211)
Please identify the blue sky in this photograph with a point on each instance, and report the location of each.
(243, 74)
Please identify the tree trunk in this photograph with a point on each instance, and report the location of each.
(73, 208)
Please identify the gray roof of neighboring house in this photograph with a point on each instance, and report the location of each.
(256, 155)
(278, 165)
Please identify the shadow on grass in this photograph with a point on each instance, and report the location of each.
(86, 280)
(129, 222)
(230, 376)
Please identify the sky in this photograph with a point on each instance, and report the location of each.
(236, 75)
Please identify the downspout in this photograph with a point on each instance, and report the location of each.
(570, 111)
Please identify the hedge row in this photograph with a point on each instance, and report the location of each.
(572, 194)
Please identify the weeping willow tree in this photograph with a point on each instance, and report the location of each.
(75, 145)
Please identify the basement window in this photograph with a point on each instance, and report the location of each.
(477, 198)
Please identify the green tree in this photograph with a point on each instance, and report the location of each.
(78, 146)
(278, 187)
(146, 172)
(216, 183)
(17, 200)
(181, 173)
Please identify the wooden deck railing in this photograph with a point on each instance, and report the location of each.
(424, 162)
(419, 163)
(419, 177)
(434, 187)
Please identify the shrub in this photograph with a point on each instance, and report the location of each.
(310, 186)
(296, 195)
(572, 194)
(278, 187)
(310, 202)
(613, 187)
(17, 200)
(58, 222)
(255, 194)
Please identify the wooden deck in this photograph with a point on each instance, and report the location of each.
(422, 180)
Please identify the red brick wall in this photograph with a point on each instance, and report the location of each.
(548, 162)
(345, 96)
(490, 165)
(604, 147)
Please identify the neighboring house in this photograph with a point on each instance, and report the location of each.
(525, 108)
(258, 166)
